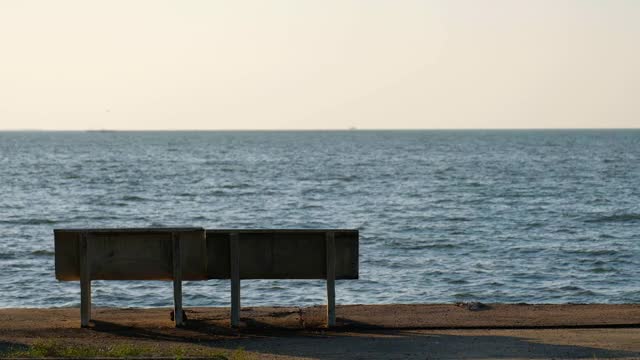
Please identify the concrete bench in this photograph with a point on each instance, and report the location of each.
(177, 254)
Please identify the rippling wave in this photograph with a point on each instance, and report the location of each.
(29, 222)
(616, 218)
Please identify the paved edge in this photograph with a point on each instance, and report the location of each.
(390, 316)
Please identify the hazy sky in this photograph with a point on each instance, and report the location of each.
(81, 64)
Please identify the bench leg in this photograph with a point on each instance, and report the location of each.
(85, 302)
(235, 303)
(177, 281)
(177, 303)
(331, 279)
(235, 279)
(85, 282)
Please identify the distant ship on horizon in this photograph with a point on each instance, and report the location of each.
(100, 131)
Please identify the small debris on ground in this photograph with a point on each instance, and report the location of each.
(472, 306)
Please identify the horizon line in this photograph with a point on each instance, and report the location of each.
(316, 130)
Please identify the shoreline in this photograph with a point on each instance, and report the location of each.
(388, 316)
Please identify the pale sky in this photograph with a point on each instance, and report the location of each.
(325, 64)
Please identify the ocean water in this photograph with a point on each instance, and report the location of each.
(444, 216)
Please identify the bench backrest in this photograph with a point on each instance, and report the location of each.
(282, 254)
(130, 254)
(147, 254)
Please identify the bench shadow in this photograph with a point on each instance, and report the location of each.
(194, 331)
(358, 340)
(385, 344)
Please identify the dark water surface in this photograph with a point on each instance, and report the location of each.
(492, 216)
